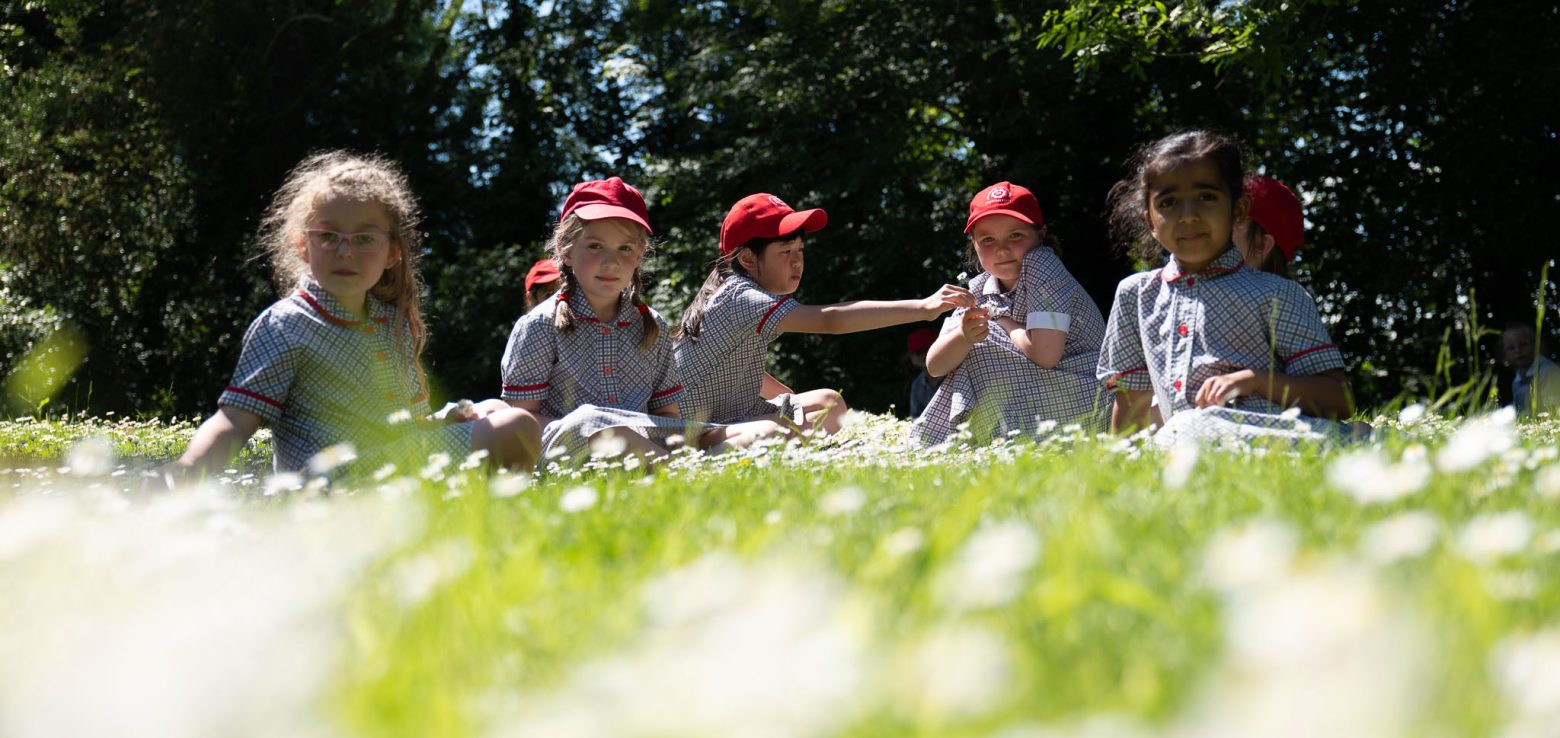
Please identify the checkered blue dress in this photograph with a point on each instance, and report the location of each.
(594, 377)
(997, 389)
(1170, 331)
(724, 366)
(319, 376)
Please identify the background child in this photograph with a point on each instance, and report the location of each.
(1535, 388)
(337, 359)
(541, 282)
(1274, 227)
(922, 385)
(1038, 363)
(746, 303)
(1228, 348)
(594, 357)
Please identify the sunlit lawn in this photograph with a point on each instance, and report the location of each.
(1406, 586)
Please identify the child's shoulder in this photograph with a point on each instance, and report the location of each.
(1137, 282)
(740, 289)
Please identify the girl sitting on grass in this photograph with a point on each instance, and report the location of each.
(1226, 349)
(594, 360)
(746, 304)
(338, 358)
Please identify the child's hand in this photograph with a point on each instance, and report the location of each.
(1225, 388)
(975, 324)
(947, 298)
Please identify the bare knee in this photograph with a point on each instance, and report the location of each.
(511, 437)
(824, 409)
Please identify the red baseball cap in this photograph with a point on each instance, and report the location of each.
(763, 215)
(1277, 210)
(542, 272)
(920, 339)
(1005, 198)
(607, 198)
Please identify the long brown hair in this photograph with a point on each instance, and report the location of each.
(358, 177)
(722, 269)
(564, 236)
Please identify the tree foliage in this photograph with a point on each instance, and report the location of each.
(138, 146)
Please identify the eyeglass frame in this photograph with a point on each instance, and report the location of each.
(382, 240)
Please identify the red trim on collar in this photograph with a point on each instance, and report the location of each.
(643, 309)
(1310, 351)
(769, 312)
(256, 395)
(1164, 272)
(525, 387)
(665, 392)
(333, 320)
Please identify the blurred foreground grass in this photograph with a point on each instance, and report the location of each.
(1405, 586)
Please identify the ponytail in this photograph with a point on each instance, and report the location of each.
(724, 267)
(652, 329)
(563, 315)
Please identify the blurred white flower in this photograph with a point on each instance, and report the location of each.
(577, 499)
(773, 649)
(842, 501)
(437, 463)
(1547, 481)
(331, 457)
(954, 671)
(903, 542)
(1403, 536)
(418, 576)
(1411, 414)
(508, 485)
(1251, 554)
(989, 569)
(474, 459)
(1495, 535)
(400, 416)
(384, 472)
(1370, 478)
(91, 457)
(1526, 668)
(1478, 439)
(283, 482)
(1180, 462)
(608, 445)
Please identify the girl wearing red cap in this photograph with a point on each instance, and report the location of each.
(338, 360)
(1226, 349)
(541, 281)
(594, 359)
(1273, 228)
(1025, 353)
(746, 304)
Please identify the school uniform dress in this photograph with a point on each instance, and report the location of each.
(724, 367)
(997, 389)
(1536, 388)
(319, 376)
(1170, 331)
(594, 377)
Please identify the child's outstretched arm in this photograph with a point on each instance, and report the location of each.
(215, 442)
(865, 315)
(1325, 394)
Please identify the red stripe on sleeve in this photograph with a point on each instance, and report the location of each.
(771, 311)
(256, 395)
(1310, 351)
(665, 392)
(525, 387)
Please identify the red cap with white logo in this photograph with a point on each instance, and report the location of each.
(1005, 198)
(763, 215)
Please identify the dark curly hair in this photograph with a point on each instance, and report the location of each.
(1129, 198)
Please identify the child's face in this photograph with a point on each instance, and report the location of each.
(604, 259)
(1191, 213)
(1517, 347)
(348, 270)
(779, 270)
(1001, 241)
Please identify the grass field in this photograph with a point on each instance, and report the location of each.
(1408, 586)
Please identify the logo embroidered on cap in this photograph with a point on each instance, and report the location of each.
(997, 194)
(777, 202)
